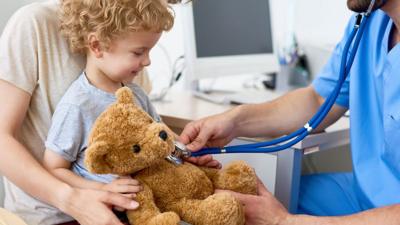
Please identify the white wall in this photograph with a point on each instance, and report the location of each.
(321, 21)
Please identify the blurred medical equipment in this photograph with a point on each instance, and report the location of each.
(177, 69)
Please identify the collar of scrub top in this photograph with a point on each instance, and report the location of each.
(288, 141)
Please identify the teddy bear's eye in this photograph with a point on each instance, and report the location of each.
(136, 148)
(163, 135)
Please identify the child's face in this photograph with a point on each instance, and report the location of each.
(127, 55)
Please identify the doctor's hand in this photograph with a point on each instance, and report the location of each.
(212, 131)
(262, 209)
(89, 206)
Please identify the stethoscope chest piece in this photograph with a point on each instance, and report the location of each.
(180, 152)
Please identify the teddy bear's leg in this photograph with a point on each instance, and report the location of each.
(236, 176)
(148, 212)
(217, 209)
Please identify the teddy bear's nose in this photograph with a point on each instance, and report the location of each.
(163, 135)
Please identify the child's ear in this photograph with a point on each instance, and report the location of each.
(94, 45)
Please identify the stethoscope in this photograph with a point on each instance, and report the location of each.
(289, 140)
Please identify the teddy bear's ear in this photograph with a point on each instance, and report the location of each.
(124, 95)
(95, 158)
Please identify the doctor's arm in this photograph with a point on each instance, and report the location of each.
(276, 118)
(35, 180)
(285, 114)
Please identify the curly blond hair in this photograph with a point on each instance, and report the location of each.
(111, 18)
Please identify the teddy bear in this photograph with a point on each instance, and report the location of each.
(125, 140)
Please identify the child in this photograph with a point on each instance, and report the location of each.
(116, 37)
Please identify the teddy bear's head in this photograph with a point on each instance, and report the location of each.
(125, 139)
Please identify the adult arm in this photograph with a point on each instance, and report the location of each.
(275, 118)
(283, 115)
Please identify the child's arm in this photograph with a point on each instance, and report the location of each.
(61, 168)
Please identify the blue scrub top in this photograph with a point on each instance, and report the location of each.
(372, 93)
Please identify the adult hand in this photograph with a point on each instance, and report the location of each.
(261, 209)
(215, 131)
(90, 206)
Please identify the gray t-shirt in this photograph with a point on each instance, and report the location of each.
(74, 117)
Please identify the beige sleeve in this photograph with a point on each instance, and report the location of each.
(19, 51)
(143, 81)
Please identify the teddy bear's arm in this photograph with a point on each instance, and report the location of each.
(148, 212)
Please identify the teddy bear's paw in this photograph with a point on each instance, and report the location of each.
(166, 218)
(221, 209)
(237, 176)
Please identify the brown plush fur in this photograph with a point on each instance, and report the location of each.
(171, 193)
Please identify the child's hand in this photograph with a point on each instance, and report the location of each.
(123, 185)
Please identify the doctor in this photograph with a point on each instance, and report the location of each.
(371, 193)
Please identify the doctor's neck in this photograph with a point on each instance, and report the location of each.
(392, 8)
